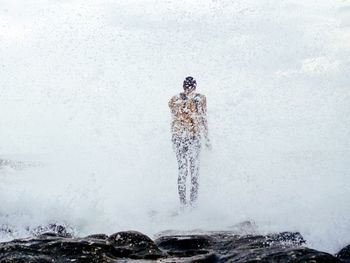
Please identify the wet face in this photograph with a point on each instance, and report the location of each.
(189, 85)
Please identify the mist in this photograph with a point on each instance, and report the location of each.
(84, 91)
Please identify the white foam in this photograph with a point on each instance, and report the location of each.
(84, 89)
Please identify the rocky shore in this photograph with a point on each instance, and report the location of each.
(59, 246)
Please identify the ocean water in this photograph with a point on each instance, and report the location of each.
(84, 87)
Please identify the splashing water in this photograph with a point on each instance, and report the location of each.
(83, 97)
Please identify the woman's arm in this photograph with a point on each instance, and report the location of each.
(203, 117)
(172, 104)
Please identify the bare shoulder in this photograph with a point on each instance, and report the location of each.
(173, 101)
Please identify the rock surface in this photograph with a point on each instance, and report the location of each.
(344, 254)
(228, 247)
(134, 246)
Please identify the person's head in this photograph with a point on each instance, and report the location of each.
(189, 85)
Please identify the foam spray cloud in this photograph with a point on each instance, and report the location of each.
(84, 89)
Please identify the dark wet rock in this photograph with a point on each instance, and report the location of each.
(286, 247)
(98, 236)
(19, 258)
(194, 246)
(50, 247)
(344, 254)
(228, 247)
(53, 229)
(183, 243)
(135, 245)
(54, 249)
(286, 238)
(202, 258)
(283, 255)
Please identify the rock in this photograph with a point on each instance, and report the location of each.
(98, 236)
(56, 247)
(228, 247)
(186, 246)
(23, 258)
(135, 245)
(344, 254)
(286, 238)
(206, 258)
(51, 247)
(52, 229)
(189, 242)
(286, 255)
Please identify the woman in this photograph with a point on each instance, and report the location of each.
(189, 127)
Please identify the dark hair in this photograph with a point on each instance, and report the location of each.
(189, 83)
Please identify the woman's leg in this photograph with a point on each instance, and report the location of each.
(194, 168)
(181, 156)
